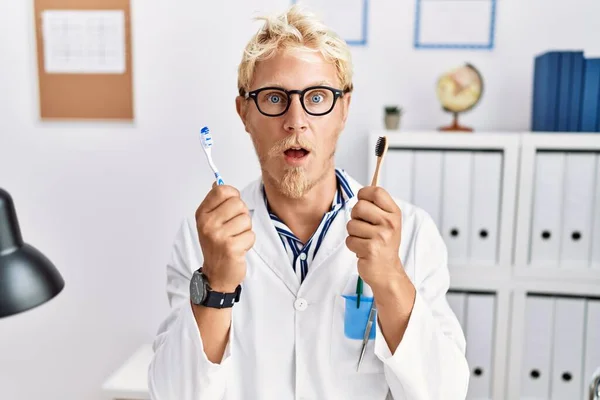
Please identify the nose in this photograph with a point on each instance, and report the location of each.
(295, 118)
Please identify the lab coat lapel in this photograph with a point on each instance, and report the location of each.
(268, 244)
(335, 237)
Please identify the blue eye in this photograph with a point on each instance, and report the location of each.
(317, 98)
(274, 98)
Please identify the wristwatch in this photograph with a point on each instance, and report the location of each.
(202, 294)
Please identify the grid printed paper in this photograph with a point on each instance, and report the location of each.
(90, 41)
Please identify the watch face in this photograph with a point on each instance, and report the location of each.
(197, 291)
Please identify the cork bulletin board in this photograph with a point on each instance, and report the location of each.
(84, 59)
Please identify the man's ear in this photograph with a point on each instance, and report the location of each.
(241, 108)
(346, 105)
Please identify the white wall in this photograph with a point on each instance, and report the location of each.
(103, 200)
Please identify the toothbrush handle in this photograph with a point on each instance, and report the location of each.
(219, 179)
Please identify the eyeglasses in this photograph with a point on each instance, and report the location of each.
(275, 101)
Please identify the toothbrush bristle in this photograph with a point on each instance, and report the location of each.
(380, 146)
(206, 137)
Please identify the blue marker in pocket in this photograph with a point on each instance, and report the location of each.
(355, 319)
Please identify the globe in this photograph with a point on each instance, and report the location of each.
(458, 91)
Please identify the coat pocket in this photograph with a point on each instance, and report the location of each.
(356, 318)
(349, 324)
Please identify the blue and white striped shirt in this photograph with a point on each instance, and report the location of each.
(301, 254)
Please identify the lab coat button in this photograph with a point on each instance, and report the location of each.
(300, 304)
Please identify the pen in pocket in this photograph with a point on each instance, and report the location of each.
(359, 291)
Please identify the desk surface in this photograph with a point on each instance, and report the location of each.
(130, 381)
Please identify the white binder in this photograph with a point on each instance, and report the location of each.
(397, 174)
(487, 180)
(458, 304)
(537, 348)
(592, 343)
(547, 207)
(427, 179)
(577, 216)
(567, 345)
(456, 204)
(595, 258)
(480, 343)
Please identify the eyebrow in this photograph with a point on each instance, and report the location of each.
(279, 84)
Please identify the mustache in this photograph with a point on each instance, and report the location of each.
(290, 141)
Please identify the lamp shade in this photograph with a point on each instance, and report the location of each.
(27, 278)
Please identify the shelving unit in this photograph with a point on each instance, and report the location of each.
(481, 188)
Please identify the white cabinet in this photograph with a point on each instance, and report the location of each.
(467, 187)
(557, 233)
(520, 215)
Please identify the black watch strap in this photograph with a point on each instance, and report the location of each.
(222, 300)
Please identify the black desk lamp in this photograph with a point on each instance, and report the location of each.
(27, 277)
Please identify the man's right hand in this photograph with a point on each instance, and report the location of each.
(225, 232)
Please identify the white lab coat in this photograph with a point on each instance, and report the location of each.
(287, 341)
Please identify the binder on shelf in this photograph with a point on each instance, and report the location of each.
(549, 91)
(485, 206)
(427, 179)
(569, 323)
(480, 327)
(397, 173)
(595, 255)
(564, 91)
(536, 107)
(458, 304)
(546, 209)
(577, 73)
(456, 204)
(537, 348)
(591, 360)
(545, 91)
(577, 212)
(591, 96)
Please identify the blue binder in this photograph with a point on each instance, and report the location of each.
(577, 72)
(564, 94)
(546, 92)
(591, 96)
(551, 109)
(536, 106)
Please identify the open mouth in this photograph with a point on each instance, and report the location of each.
(296, 152)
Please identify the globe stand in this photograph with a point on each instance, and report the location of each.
(455, 127)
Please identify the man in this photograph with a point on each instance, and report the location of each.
(263, 283)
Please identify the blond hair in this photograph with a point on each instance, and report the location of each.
(295, 28)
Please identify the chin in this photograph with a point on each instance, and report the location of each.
(292, 182)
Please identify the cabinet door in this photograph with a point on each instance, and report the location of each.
(486, 189)
(547, 206)
(456, 204)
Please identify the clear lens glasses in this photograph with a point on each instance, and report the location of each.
(316, 100)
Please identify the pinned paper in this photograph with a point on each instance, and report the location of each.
(84, 41)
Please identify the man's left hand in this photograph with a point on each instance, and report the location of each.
(374, 236)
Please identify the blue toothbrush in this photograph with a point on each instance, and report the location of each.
(207, 142)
